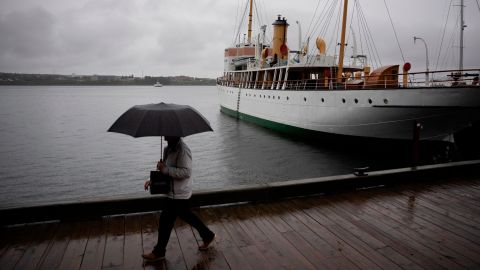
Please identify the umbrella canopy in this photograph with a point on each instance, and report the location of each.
(161, 120)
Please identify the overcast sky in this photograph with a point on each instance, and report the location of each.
(163, 38)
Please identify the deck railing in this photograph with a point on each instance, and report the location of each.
(436, 79)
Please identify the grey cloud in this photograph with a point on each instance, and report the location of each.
(160, 37)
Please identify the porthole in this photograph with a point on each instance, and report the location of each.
(323, 100)
(356, 100)
(288, 98)
(385, 101)
(278, 97)
(305, 99)
(370, 101)
(343, 100)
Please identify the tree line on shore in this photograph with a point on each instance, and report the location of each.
(56, 79)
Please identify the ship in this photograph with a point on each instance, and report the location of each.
(158, 84)
(300, 92)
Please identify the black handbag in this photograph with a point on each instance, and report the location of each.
(160, 183)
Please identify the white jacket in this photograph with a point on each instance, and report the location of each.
(178, 161)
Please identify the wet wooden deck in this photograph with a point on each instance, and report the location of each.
(414, 226)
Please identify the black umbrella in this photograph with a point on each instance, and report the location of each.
(161, 120)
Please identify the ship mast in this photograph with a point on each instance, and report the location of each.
(462, 27)
(249, 40)
(342, 42)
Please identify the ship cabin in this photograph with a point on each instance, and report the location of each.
(261, 66)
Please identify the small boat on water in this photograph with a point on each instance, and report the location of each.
(157, 84)
(308, 92)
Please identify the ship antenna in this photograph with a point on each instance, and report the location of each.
(250, 15)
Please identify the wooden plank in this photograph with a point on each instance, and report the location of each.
(441, 219)
(95, 248)
(14, 246)
(332, 254)
(114, 245)
(56, 250)
(452, 239)
(149, 238)
(456, 197)
(255, 258)
(305, 240)
(238, 235)
(414, 259)
(363, 242)
(288, 255)
(444, 214)
(436, 240)
(232, 254)
(75, 249)
(343, 248)
(347, 219)
(24, 247)
(273, 214)
(267, 250)
(189, 246)
(40, 241)
(246, 220)
(401, 235)
(175, 259)
(242, 244)
(213, 257)
(462, 191)
(133, 248)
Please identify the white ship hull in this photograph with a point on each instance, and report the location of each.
(385, 114)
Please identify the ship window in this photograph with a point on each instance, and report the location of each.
(343, 100)
(305, 99)
(278, 97)
(356, 100)
(288, 98)
(323, 100)
(370, 101)
(385, 101)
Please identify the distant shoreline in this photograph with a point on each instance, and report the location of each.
(98, 80)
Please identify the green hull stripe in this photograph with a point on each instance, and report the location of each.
(270, 124)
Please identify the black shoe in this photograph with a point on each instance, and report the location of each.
(206, 244)
(150, 257)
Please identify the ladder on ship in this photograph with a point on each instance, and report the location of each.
(238, 102)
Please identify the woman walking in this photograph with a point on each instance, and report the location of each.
(178, 166)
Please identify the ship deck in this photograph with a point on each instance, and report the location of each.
(434, 225)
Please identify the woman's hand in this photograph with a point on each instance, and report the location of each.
(161, 166)
(147, 184)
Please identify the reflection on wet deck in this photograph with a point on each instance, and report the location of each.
(413, 226)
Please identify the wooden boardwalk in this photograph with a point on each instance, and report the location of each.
(414, 226)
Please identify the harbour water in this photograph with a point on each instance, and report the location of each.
(54, 146)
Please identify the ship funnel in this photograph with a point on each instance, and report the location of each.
(279, 43)
(322, 47)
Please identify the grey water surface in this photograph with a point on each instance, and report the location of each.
(54, 146)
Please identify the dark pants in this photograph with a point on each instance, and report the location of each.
(174, 209)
